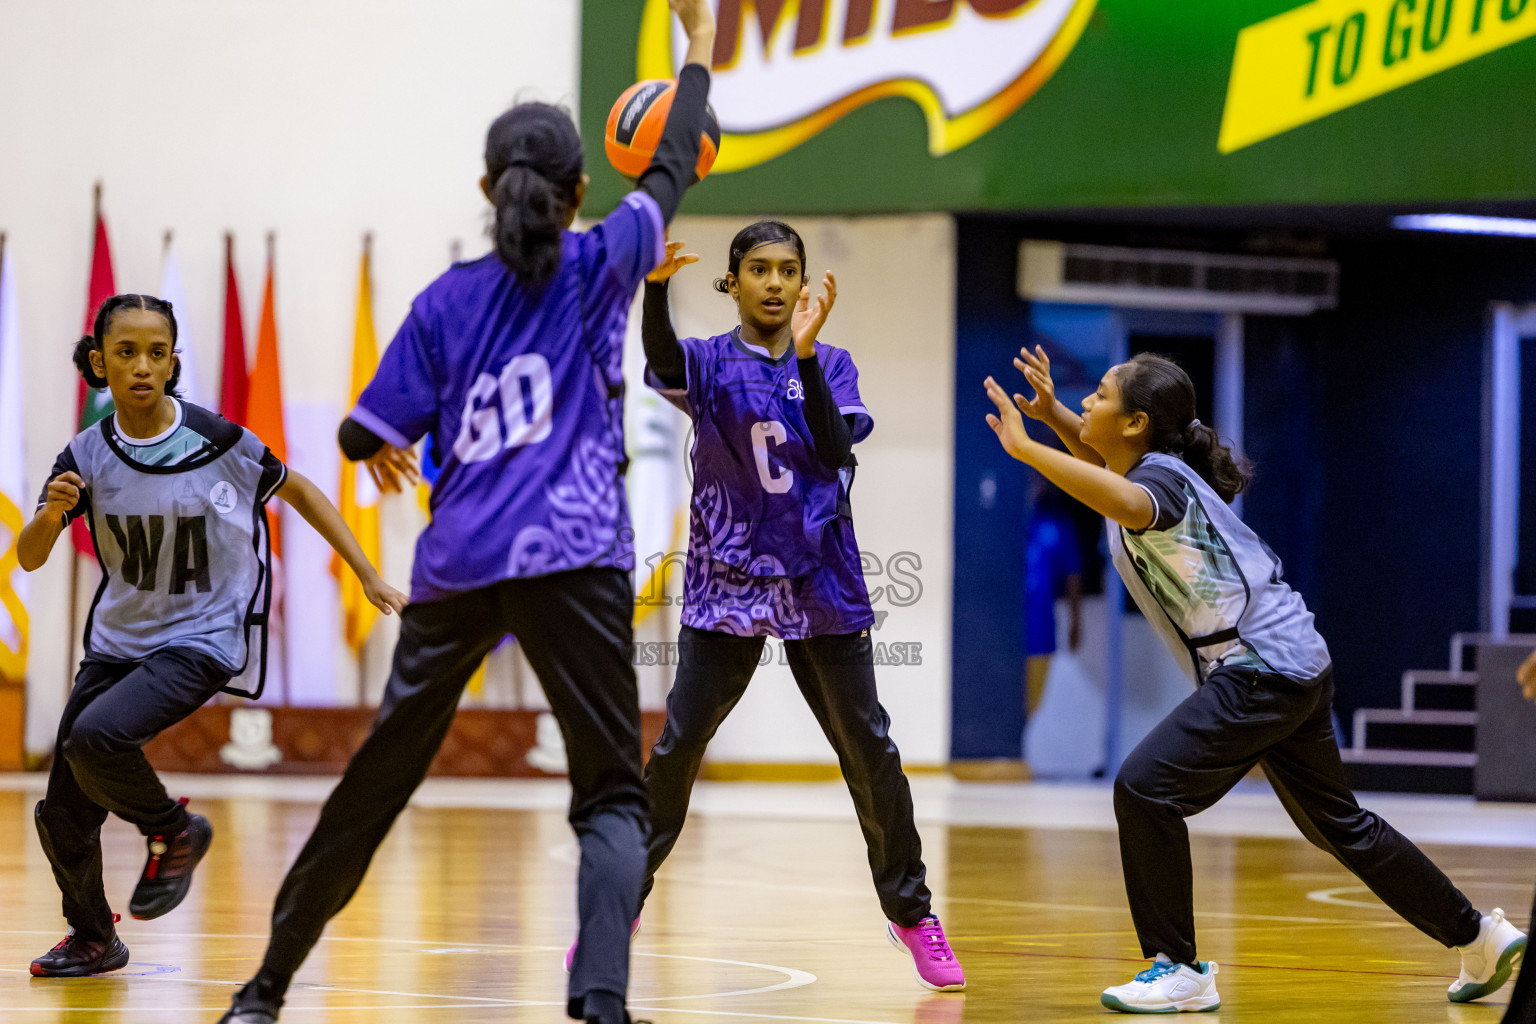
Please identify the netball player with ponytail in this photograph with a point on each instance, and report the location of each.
(1264, 681)
(771, 551)
(516, 358)
(175, 497)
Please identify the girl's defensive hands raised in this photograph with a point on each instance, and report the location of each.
(671, 263)
(1007, 423)
(809, 317)
(1036, 367)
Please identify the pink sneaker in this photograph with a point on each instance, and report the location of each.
(933, 961)
(570, 954)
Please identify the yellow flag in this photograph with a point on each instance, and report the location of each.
(14, 626)
(359, 502)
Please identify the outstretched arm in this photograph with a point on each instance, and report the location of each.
(677, 152)
(317, 510)
(1106, 492)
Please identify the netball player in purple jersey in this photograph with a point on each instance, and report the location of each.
(515, 360)
(771, 551)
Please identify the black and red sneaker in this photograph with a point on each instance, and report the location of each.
(75, 957)
(168, 872)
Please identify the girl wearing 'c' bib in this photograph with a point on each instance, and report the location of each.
(771, 551)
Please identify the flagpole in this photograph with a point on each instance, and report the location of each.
(74, 556)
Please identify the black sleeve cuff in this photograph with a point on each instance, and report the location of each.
(357, 441)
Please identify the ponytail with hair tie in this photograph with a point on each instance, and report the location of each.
(533, 162)
(1159, 387)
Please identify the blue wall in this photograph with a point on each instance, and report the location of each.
(1366, 427)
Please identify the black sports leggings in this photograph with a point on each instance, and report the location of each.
(99, 768)
(836, 676)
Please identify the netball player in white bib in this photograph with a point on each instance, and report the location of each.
(1264, 681)
(175, 497)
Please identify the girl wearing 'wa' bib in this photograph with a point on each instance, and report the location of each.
(1264, 680)
(176, 499)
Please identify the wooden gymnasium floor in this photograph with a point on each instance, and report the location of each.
(765, 912)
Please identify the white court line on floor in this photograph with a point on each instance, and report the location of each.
(757, 1016)
(861, 893)
(1251, 810)
(135, 934)
(793, 977)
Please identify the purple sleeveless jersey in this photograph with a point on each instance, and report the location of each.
(522, 392)
(771, 549)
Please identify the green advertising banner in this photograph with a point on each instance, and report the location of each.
(869, 106)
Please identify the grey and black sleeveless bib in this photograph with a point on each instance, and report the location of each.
(1211, 587)
(181, 534)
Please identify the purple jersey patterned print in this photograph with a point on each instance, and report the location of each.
(522, 392)
(771, 549)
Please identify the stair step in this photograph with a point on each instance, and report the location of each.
(1400, 716)
(1420, 730)
(1417, 758)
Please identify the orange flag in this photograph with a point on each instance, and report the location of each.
(264, 412)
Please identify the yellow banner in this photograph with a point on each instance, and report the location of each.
(1331, 54)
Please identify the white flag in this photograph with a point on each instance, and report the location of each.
(13, 496)
(171, 290)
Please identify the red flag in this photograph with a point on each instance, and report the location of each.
(264, 415)
(234, 387)
(94, 405)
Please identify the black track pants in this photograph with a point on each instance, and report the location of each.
(576, 630)
(1236, 719)
(836, 676)
(99, 768)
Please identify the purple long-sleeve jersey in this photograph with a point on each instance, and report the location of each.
(771, 549)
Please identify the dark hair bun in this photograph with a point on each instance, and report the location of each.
(83, 349)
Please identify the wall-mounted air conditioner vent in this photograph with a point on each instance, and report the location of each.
(1175, 279)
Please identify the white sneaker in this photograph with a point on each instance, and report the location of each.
(1488, 960)
(1167, 987)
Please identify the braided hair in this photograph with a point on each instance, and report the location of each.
(98, 336)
